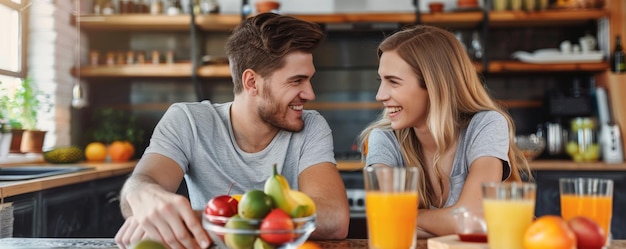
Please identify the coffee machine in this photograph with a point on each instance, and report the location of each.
(561, 106)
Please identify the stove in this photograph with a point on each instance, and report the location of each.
(355, 190)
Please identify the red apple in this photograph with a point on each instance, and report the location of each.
(589, 235)
(222, 206)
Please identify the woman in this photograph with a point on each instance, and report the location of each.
(439, 118)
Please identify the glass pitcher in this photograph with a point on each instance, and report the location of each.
(582, 143)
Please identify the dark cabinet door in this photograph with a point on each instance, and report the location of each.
(69, 211)
(110, 217)
(24, 215)
(548, 201)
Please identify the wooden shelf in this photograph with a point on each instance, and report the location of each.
(372, 105)
(153, 70)
(344, 105)
(214, 71)
(518, 66)
(138, 22)
(136, 70)
(226, 22)
(221, 22)
(556, 17)
(184, 69)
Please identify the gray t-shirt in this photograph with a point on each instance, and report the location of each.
(199, 137)
(486, 135)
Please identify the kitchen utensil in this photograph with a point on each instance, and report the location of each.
(555, 137)
(610, 137)
(530, 145)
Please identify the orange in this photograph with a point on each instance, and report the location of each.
(309, 245)
(549, 232)
(121, 151)
(96, 151)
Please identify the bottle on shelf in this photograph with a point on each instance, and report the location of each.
(618, 64)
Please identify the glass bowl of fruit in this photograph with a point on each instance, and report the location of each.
(276, 230)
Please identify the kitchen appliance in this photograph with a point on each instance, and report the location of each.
(561, 106)
(610, 137)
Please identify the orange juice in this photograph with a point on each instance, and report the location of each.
(391, 219)
(597, 208)
(507, 221)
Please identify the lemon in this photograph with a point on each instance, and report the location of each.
(96, 151)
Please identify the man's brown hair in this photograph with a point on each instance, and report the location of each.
(261, 43)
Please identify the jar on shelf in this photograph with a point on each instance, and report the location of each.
(156, 7)
(582, 143)
(107, 8)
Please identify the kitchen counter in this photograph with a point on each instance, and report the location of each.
(99, 171)
(15, 243)
(104, 170)
(534, 165)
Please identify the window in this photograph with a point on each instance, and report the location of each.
(13, 18)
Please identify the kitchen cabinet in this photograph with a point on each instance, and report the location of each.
(25, 219)
(87, 210)
(147, 89)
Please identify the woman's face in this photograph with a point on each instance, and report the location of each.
(404, 99)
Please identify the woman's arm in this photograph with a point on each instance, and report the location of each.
(440, 222)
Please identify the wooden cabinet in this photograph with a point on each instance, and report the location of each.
(86, 210)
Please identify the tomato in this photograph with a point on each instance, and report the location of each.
(277, 227)
(223, 206)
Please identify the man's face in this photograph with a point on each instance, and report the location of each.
(285, 91)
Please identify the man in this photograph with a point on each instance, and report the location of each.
(214, 145)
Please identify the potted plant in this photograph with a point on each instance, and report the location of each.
(22, 108)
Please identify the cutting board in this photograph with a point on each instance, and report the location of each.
(453, 242)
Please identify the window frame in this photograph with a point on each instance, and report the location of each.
(23, 12)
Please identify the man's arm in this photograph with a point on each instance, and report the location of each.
(154, 210)
(324, 185)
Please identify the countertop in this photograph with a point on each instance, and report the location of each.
(534, 165)
(41, 243)
(98, 170)
(106, 169)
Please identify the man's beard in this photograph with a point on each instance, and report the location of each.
(270, 112)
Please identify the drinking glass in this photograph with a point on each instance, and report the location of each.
(590, 197)
(509, 210)
(391, 206)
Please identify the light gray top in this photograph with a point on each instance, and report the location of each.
(199, 137)
(486, 135)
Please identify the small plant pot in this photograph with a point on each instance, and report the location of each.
(32, 141)
(16, 140)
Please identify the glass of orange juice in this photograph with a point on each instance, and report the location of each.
(509, 210)
(590, 197)
(391, 206)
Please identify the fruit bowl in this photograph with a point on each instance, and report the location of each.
(531, 145)
(236, 232)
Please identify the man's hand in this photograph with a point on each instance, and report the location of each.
(162, 216)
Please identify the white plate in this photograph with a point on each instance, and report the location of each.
(545, 56)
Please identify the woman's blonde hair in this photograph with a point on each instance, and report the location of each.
(455, 93)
